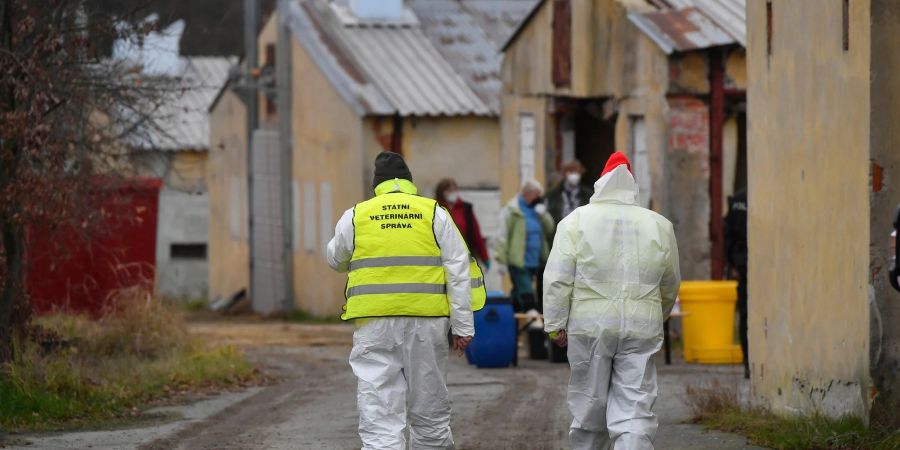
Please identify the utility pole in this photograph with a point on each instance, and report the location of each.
(251, 61)
(283, 73)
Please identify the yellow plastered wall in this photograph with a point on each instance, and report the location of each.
(466, 149)
(527, 63)
(335, 147)
(188, 171)
(598, 68)
(229, 269)
(736, 68)
(513, 107)
(328, 152)
(809, 208)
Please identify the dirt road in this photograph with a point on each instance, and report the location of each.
(313, 403)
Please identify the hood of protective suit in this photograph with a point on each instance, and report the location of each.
(616, 186)
(613, 267)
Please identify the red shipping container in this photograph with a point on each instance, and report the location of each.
(69, 272)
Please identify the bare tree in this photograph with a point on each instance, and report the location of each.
(65, 112)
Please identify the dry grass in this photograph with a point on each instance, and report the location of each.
(133, 323)
(717, 405)
(76, 371)
(711, 399)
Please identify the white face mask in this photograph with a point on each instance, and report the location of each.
(573, 178)
(451, 196)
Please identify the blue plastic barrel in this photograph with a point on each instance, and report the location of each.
(495, 333)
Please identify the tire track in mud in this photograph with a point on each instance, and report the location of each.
(308, 375)
(528, 412)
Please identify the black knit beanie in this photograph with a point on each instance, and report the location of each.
(390, 165)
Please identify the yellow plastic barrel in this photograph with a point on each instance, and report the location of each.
(708, 322)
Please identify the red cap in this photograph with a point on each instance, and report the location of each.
(616, 160)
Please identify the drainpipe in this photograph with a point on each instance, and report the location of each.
(716, 125)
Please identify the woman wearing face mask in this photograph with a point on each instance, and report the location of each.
(447, 195)
(570, 193)
(523, 244)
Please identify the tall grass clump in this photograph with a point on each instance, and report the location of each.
(77, 371)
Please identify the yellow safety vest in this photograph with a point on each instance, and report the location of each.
(396, 267)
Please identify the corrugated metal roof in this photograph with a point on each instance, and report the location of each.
(730, 15)
(727, 16)
(392, 68)
(336, 63)
(469, 34)
(680, 30)
(181, 122)
(410, 72)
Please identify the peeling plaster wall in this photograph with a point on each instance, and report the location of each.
(885, 179)
(687, 153)
(689, 74)
(648, 100)
(527, 63)
(809, 121)
(629, 74)
(604, 52)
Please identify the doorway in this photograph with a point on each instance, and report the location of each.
(584, 132)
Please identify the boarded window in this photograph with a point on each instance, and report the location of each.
(309, 216)
(769, 27)
(296, 237)
(188, 251)
(562, 43)
(526, 147)
(846, 25)
(325, 220)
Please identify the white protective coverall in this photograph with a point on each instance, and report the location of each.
(400, 362)
(611, 279)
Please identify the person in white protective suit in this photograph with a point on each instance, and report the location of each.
(409, 284)
(610, 282)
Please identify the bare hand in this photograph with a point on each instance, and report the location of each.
(561, 339)
(460, 343)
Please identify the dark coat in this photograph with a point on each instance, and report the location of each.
(555, 199)
(736, 230)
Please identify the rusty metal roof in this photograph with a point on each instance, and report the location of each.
(729, 15)
(679, 30)
(687, 25)
(438, 61)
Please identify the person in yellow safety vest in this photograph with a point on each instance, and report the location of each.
(411, 281)
(610, 281)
